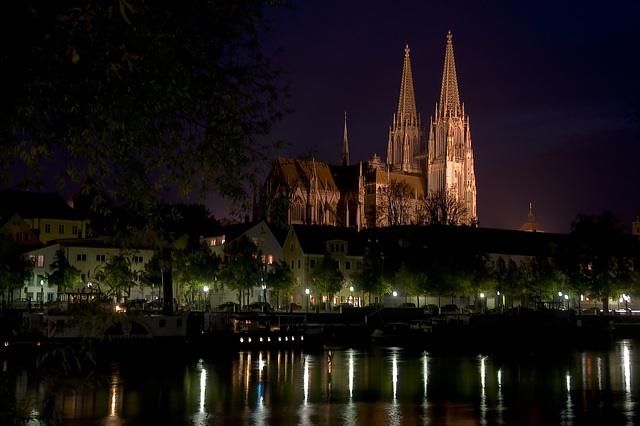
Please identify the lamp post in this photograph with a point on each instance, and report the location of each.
(395, 294)
(206, 296)
(482, 301)
(351, 290)
(41, 294)
(307, 292)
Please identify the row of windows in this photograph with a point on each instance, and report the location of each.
(101, 257)
(312, 264)
(47, 229)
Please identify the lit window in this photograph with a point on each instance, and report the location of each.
(40, 261)
(270, 259)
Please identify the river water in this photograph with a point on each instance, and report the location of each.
(354, 386)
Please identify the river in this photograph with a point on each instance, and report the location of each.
(350, 386)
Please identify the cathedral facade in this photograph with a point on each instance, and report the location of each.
(365, 195)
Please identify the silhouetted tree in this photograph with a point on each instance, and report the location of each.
(440, 208)
(144, 96)
(62, 274)
(599, 257)
(281, 281)
(326, 278)
(395, 204)
(241, 268)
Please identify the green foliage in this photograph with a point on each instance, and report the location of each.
(541, 278)
(326, 278)
(599, 257)
(195, 267)
(62, 274)
(370, 278)
(144, 96)
(509, 279)
(242, 267)
(281, 279)
(15, 269)
(117, 274)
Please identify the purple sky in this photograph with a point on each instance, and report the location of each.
(548, 87)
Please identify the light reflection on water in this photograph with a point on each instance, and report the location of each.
(367, 386)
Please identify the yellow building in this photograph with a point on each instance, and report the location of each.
(305, 247)
(47, 215)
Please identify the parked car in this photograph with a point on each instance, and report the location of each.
(290, 307)
(430, 309)
(259, 306)
(24, 304)
(407, 305)
(450, 309)
(227, 307)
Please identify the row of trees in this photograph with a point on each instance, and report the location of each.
(597, 259)
(193, 268)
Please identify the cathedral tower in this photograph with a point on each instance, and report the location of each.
(406, 138)
(450, 167)
(345, 144)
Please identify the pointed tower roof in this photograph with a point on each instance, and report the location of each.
(345, 143)
(449, 95)
(407, 103)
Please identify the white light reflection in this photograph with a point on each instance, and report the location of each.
(483, 395)
(260, 416)
(425, 379)
(629, 405)
(201, 416)
(351, 373)
(306, 379)
(566, 416)
(305, 409)
(349, 416)
(394, 414)
(500, 407)
(394, 374)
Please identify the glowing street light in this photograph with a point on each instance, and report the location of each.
(307, 292)
(395, 295)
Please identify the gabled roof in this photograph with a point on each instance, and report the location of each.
(313, 238)
(298, 173)
(31, 205)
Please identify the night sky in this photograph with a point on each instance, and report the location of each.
(549, 88)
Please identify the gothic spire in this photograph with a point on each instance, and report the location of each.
(449, 95)
(407, 103)
(345, 143)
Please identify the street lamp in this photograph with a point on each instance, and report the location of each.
(41, 293)
(566, 297)
(351, 290)
(307, 292)
(395, 294)
(482, 299)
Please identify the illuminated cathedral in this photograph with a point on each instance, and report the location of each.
(349, 195)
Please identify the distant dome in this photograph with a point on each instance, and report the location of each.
(531, 225)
